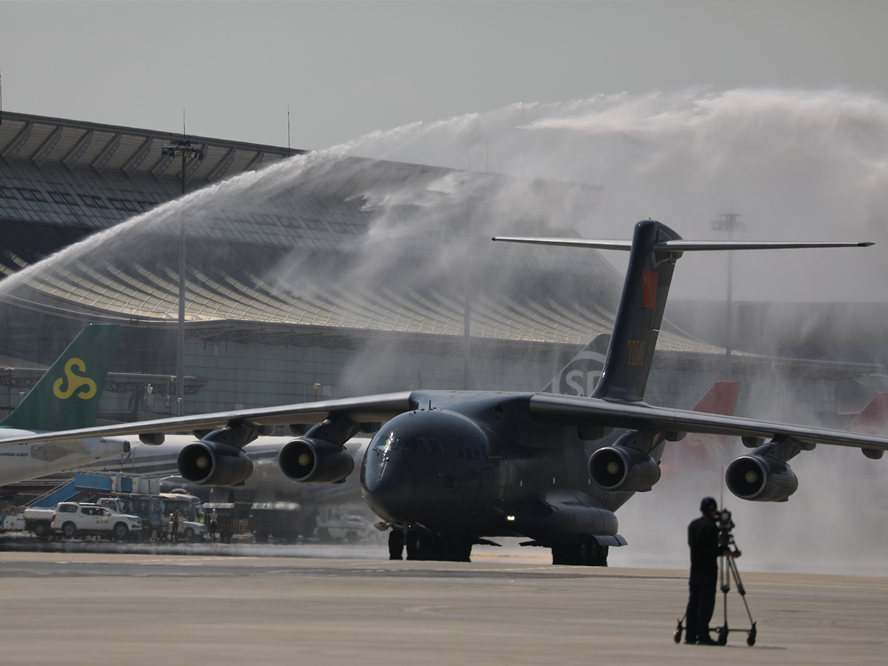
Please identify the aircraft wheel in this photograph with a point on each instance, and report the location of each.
(722, 635)
(569, 555)
(411, 543)
(396, 544)
(594, 554)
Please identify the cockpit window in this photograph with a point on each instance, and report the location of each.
(383, 443)
(390, 443)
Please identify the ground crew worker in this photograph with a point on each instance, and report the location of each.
(212, 526)
(174, 529)
(705, 550)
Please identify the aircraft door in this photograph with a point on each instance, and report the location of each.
(485, 485)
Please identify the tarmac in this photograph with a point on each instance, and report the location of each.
(77, 608)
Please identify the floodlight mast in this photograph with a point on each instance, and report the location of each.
(728, 222)
(175, 148)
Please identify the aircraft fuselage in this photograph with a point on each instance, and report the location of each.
(476, 465)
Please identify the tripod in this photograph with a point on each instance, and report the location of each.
(727, 571)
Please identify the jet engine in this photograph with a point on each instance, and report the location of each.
(623, 467)
(312, 460)
(214, 464)
(761, 479)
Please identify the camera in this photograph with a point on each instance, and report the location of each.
(723, 519)
(725, 524)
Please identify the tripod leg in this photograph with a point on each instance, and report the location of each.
(676, 636)
(736, 573)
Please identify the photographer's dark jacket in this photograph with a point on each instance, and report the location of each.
(703, 540)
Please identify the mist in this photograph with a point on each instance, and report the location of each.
(796, 165)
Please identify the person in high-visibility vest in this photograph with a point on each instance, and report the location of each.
(174, 528)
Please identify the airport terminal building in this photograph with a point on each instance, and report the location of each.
(317, 292)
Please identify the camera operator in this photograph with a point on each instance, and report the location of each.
(706, 548)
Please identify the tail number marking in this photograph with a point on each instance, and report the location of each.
(636, 352)
(75, 382)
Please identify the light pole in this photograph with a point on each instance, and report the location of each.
(175, 148)
(728, 222)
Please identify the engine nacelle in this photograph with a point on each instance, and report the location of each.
(623, 468)
(214, 464)
(761, 479)
(315, 461)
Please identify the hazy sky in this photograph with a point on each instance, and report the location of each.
(349, 68)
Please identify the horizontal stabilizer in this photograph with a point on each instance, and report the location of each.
(683, 245)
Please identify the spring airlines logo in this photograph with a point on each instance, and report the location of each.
(74, 382)
(581, 375)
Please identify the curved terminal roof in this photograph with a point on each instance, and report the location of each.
(71, 179)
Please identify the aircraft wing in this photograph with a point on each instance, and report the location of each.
(569, 410)
(364, 409)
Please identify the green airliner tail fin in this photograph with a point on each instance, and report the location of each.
(68, 395)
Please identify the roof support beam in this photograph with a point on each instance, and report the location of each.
(222, 167)
(256, 162)
(20, 140)
(107, 153)
(46, 148)
(138, 157)
(161, 167)
(72, 158)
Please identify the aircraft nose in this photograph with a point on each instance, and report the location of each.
(386, 484)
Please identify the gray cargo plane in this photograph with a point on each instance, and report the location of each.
(453, 468)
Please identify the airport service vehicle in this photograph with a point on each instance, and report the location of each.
(73, 519)
(66, 397)
(284, 522)
(155, 510)
(36, 521)
(335, 523)
(454, 468)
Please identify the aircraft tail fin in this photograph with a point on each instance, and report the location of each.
(873, 420)
(637, 324)
(67, 396)
(580, 375)
(721, 399)
(652, 255)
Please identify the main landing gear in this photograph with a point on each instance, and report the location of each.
(588, 553)
(426, 546)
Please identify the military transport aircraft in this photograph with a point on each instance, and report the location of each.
(453, 468)
(66, 397)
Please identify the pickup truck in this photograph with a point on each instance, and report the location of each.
(74, 519)
(36, 521)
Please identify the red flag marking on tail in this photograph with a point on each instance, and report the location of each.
(648, 289)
